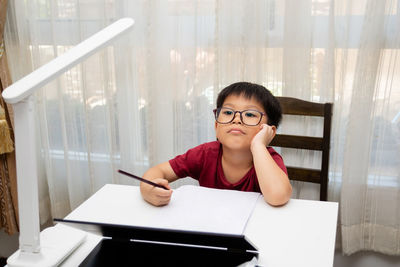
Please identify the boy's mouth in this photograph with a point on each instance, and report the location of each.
(236, 131)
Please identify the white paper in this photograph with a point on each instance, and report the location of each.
(192, 208)
(199, 208)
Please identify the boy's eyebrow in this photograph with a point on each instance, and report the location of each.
(247, 107)
(231, 105)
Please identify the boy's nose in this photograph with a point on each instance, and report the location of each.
(236, 118)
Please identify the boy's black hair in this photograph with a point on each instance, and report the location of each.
(260, 93)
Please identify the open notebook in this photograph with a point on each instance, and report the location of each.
(192, 208)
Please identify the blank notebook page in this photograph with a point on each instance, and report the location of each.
(191, 208)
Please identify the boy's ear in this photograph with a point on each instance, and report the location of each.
(273, 127)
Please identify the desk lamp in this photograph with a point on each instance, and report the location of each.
(55, 243)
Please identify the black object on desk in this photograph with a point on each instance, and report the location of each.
(142, 179)
(125, 245)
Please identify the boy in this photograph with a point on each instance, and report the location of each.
(246, 119)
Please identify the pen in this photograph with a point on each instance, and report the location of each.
(142, 179)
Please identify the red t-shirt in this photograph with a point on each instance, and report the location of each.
(203, 163)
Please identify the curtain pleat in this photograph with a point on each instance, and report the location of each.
(8, 182)
(369, 200)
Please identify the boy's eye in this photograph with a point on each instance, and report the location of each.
(227, 112)
(250, 114)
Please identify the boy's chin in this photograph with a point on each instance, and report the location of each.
(236, 145)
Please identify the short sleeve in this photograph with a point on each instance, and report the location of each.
(189, 164)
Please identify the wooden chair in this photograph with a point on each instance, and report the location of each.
(293, 106)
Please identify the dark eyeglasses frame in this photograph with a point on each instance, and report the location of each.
(234, 115)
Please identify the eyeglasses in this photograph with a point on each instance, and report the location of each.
(248, 117)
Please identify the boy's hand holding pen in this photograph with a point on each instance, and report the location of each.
(156, 192)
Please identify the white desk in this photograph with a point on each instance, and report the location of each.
(301, 233)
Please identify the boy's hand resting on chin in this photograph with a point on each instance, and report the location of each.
(155, 195)
(264, 136)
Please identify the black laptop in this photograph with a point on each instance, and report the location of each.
(125, 245)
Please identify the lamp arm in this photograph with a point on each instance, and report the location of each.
(44, 74)
(20, 96)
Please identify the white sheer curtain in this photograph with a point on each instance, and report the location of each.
(149, 97)
(370, 102)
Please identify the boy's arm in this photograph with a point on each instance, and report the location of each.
(161, 174)
(273, 181)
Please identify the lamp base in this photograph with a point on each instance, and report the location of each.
(56, 243)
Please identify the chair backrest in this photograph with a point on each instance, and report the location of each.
(293, 106)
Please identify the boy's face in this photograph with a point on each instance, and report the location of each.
(236, 135)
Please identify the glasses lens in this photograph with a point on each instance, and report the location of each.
(224, 115)
(251, 117)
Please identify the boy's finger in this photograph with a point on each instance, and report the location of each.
(163, 203)
(162, 192)
(163, 199)
(263, 126)
(162, 182)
